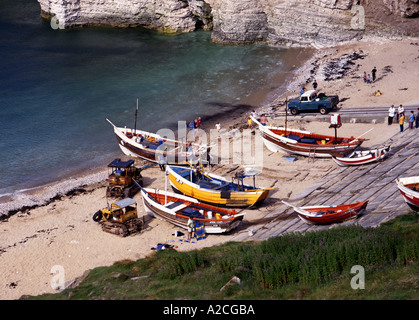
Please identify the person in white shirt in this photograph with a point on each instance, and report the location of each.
(391, 114)
(400, 110)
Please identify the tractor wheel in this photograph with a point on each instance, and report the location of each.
(97, 216)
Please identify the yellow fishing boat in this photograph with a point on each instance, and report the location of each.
(216, 190)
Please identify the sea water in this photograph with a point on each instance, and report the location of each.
(57, 87)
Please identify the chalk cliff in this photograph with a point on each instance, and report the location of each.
(289, 22)
(165, 15)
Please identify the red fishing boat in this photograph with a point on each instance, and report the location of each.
(409, 188)
(329, 214)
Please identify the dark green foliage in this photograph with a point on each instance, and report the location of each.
(320, 256)
(316, 264)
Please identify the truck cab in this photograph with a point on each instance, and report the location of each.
(311, 100)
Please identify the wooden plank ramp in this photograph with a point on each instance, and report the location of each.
(374, 182)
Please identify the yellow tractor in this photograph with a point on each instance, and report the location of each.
(120, 218)
(122, 176)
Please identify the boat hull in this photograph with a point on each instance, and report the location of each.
(216, 197)
(305, 143)
(167, 151)
(362, 157)
(227, 220)
(409, 188)
(323, 215)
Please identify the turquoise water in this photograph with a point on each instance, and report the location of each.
(57, 87)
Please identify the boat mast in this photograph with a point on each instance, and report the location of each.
(286, 112)
(135, 119)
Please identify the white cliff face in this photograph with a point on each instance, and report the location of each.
(238, 21)
(318, 23)
(284, 22)
(167, 15)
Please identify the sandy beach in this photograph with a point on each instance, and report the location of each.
(62, 233)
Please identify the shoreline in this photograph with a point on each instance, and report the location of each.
(63, 233)
(23, 200)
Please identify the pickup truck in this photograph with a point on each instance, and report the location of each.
(312, 101)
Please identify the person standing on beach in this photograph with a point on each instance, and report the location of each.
(249, 123)
(365, 77)
(218, 127)
(315, 85)
(368, 79)
(401, 121)
(411, 119)
(417, 120)
(198, 122)
(391, 114)
(374, 73)
(263, 120)
(190, 228)
(400, 110)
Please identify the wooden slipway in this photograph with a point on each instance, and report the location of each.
(375, 182)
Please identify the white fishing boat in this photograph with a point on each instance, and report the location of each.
(360, 157)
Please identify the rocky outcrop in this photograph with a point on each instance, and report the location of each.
(316, 23)
(167, 16)
(239, 22)
(404, 8)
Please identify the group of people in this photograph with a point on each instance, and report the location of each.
(195, 124)
(315, 85)
(400, 117)
(263, 119)
(368, 79)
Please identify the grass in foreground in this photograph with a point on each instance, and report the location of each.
(316, 265)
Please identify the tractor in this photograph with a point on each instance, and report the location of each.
(120, 218)
(122, 176)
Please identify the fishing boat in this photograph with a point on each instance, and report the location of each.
(213, 189)
(409, 188)
(329, 214)
(177, 209)
(157, 149)
(305, 143)
(359, 157)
